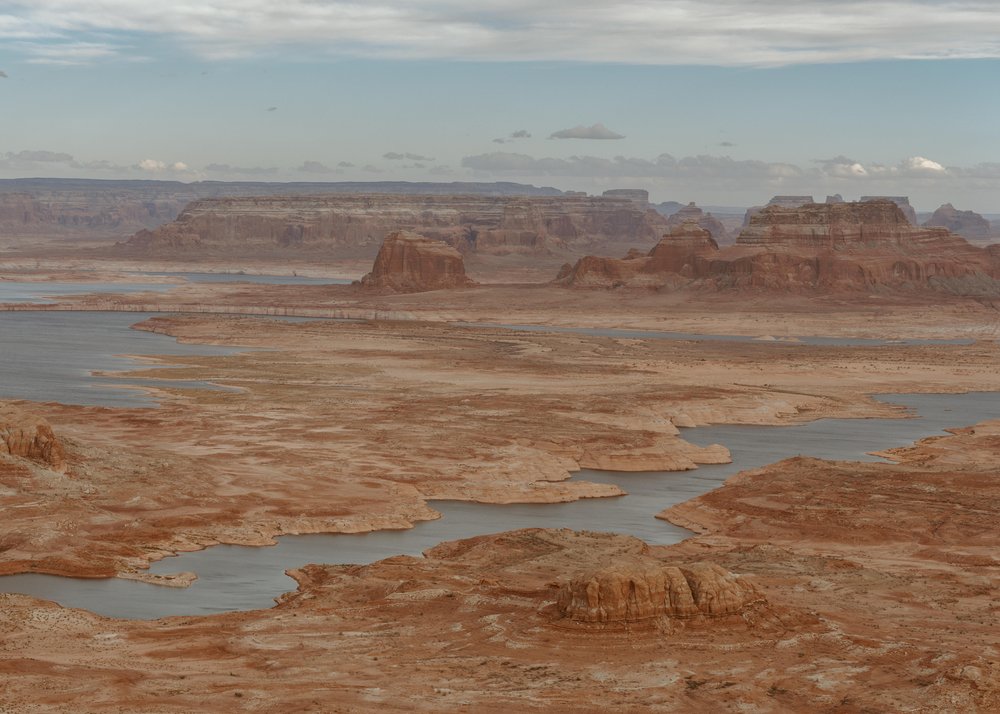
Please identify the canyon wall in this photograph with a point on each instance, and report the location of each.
(118, 208)
(834, 247)
(337, 226)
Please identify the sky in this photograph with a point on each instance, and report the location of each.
(724, 103)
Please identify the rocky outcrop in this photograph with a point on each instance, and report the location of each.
(636, 195)
(691, 213)
(903, 202)
(27, 436)
(408, 262)
(643, 590)
(675, 255)
(338, 226)
(967, 224)
(830, 246)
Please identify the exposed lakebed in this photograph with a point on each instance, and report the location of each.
(239, 578)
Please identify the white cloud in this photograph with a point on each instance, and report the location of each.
(396, 156)
(315, 167)
(597, 131)
(723, 32)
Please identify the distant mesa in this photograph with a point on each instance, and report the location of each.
(28, 436)
(691, 213)
(408, 262)
(830, 246)
(637, 195)
(967, 224)
(902, 201)
(641, 591)
(332, 227)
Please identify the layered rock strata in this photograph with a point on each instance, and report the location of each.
(409, 262)
(967, 224)
(28, 436)
(353, 225)
(834, 246)
(640, 591)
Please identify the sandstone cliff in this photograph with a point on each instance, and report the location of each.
(30, 437)
(408, 262)
(967, 224)
(643, 590)
(336, 226)
(833, 246)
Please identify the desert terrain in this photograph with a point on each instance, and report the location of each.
(807, 585)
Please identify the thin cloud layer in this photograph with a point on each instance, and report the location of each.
(396, 156)
(597, 131)
(725, 32)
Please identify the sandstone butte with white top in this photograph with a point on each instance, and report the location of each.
(408, 262)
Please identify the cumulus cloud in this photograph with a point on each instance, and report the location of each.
(513, 136)
(396, 156)
(597, 131)
(345, 165)
(3, 75)
(155, 166)
(41, 157)
(723, 32)
(315, 167)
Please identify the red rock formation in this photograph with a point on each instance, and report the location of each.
(30, 437)
(835, 246)
(643, 590)
(351, 225)
(408, 262)
(675, 255)
(967, 224)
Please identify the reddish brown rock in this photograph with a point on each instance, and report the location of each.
(644, 590)
(674, 255)
(830, 246)
(28, 436)
(409, 262)
(351, 225)
(967, 224)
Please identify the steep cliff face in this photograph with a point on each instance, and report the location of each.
(100, 213)
(967, 224)
(29, 436)
(408, 262)
(832, 247)
(353, 225)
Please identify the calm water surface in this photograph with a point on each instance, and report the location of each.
(47, 356)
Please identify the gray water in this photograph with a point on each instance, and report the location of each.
(43, 292)
(661, 335)
(247, 278)
(241, 578)
(49, 356)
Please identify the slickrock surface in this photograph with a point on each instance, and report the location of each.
(409, 262)
(830, 247)
(329, 227)
(29, 436)
(967, 224)
(879, 581)
(348, 427)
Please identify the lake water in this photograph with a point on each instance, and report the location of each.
(241, 578)
(48, 356)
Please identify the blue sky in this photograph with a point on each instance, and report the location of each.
(724, 102)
